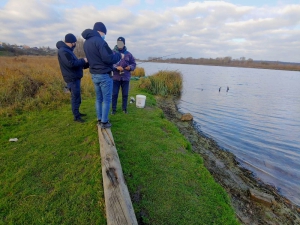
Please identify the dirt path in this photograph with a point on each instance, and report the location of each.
(237, 181)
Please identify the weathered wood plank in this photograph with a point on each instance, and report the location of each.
(119, 210)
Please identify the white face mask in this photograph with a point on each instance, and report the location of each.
(103, 37)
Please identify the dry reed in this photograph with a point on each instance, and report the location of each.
(138, 72)
(163, 83)
(34, 82)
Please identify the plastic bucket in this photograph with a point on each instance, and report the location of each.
(140, 101)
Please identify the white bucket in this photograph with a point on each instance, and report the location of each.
(140, 101)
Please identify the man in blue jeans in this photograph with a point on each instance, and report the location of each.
(101, 59)
(72, 71)
(122, 74)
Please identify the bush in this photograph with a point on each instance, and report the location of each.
(163, 83)
(138, 72)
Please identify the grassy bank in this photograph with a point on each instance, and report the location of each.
(52, 174)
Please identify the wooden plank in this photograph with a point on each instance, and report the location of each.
(119, 210)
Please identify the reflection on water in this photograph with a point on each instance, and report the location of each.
(258, 119)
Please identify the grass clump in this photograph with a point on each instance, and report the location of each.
(138, 72)
(163, 83)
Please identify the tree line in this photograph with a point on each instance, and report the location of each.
(15, 50)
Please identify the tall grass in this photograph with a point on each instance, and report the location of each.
(138, 72)
(29, 83)
(163, 83)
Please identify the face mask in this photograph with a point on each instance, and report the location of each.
(103, 37)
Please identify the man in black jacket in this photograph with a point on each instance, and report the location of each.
(101, 59)
(72, 71)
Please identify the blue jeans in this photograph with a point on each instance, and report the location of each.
(125, 89)
(103, 88)
(74, 88)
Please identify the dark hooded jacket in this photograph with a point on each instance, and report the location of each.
(101, 58)
(71, 67)
(127, 61)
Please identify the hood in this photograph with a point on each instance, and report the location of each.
(88, 33)
(61, 44)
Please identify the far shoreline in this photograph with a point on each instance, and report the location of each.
(287, 67)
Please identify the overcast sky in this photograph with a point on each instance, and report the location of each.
(257, 29)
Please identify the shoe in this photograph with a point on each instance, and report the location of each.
(105, 125)
(82, 114)
(79, 120)
(113, 112)
(99, 122)
(125, 111)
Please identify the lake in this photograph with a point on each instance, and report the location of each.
(257, 119)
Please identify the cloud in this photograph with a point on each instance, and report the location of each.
(130, 2)
(25, 21)
(197, 29)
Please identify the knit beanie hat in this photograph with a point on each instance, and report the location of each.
(99, 26)
(121, 39)
(121, 42)
(70, 38)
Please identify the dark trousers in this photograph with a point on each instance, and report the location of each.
(74, 88)
(125, 89)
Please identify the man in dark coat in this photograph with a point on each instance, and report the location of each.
(101, 59)
(72, 71)
(122, 74)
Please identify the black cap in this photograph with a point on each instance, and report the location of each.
(121, 39)
(70, 38)
(99, 26)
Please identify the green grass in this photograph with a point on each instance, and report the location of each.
(52, 175)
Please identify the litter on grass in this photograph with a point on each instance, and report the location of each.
(13, 139)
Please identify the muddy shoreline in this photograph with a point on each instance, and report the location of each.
(253, 201)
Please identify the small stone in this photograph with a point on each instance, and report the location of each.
(186, 117)
(263, 198)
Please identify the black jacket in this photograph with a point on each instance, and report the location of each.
(71, 67)
(101, 58)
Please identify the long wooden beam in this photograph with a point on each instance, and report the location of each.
(119, 210)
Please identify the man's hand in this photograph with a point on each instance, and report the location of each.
(120, 68)
(127, 68)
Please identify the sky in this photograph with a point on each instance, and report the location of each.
(256, 29)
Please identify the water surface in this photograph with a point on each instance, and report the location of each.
(257, 119)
